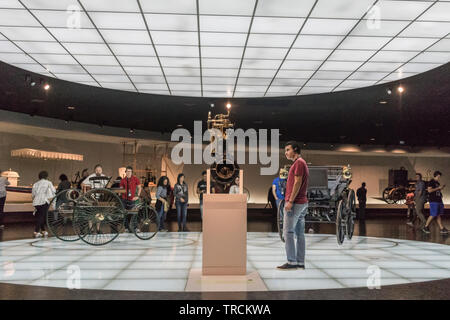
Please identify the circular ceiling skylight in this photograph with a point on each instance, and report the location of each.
(234, 48)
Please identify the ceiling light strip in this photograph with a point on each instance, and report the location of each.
(245, 47)
(51, 34)
(340, 42)
(411, 22)
(106, 43)
(289, 50)
(418, 54)
(153, 44)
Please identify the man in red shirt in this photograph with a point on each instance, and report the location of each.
(129, 198)
(295, 208)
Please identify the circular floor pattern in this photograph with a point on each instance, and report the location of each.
(164, 262)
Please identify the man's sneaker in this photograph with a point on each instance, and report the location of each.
(301, 266)
(426, 230)
(45, 233)
(444, 231)
(288, 266)
(37, 234)
(409, 223)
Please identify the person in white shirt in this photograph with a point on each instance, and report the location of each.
(88, 184)
(3, 183)
(42, 193)
(235, 187)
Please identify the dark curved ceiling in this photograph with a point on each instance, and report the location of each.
(420, 116)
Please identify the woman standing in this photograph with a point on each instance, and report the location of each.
(181, 202)
(3, 183)
(162, 201)
(42, 193)
(235, 186)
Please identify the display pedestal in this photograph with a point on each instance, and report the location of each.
(224, 234)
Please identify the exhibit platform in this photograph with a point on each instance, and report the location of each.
(171, 261)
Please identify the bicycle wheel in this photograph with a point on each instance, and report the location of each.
(280, 217)
(59, 215)
(98, 217)
(340, 222)
(145, 222)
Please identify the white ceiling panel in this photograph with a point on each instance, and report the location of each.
(17, 17)
(328, 26)
(26, 33)
(317, 41)
(177, 51)
(138, 61)
(76, 35)
(284, 8)
(126, 36)
(384, 29)
(175, 38)
(276, 25)
(401, 10)
(351, 55)
(270, 40)
(169, 6)
(365, 43)
(393, 56)
(309, 54)
(50, 4)
(438, 12)
(265, 53)
(96, 60)
(111, 5)
(117, 20)
(133, 50)
(63, 19)
(222, 52)
(54, 58)
(413, 44)
(171, 22)
(427, 29)
(347, 9)
(220, 63)
(229, 7)
(224, 23)
(345, 38)
(261, 64)
(222, 39)
(13, 58)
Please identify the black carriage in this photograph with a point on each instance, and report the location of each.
(98, 216)
(330, 200)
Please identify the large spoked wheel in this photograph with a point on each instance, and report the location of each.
(60, 215)
(340, 222)
(98, 217)
(387, 196)
(351, 214)
(280, 218)
(145, 222)
(399, 196)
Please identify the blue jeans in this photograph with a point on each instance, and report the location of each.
(181, 210)
(201, 209)
(294, 223)
(161, 217)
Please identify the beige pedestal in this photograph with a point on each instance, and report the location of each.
(224, 234)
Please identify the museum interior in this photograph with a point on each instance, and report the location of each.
(240, 149)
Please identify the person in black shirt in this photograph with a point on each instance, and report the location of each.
(361, 194)
(201, 189)
(436, 204)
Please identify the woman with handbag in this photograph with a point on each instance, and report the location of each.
(162, 203)
(42, 193)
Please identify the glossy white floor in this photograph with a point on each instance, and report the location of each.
(165, 262)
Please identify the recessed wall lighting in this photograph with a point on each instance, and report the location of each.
(400, 89)
(46, 86)
(383, 102)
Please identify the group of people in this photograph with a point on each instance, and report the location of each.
(423, 193)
